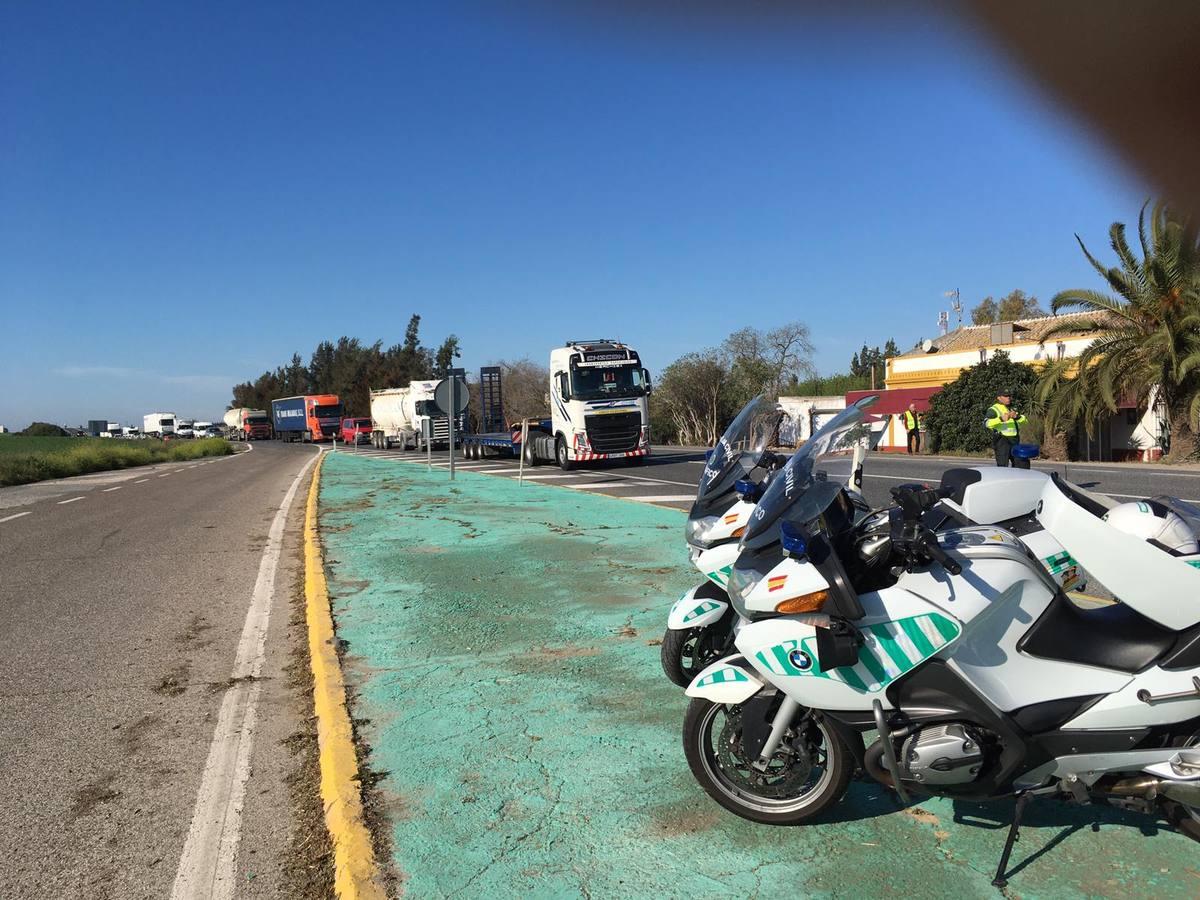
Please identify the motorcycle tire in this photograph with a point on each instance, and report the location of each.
(679, 647)
(800, 810)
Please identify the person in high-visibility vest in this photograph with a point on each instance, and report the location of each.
(1005, 424)
(912, 425)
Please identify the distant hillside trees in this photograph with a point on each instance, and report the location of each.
(44, 429)
(349, 369)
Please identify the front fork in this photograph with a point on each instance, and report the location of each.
(779, 726)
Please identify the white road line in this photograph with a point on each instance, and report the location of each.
(663, 498)
(164, 474)
(546, 477)
(72, 500)
(208, 866)
(111, 489)
(16, 516)
(141, 481)
(192, 467)
(596, 486)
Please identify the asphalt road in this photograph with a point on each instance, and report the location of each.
(123, 598)
(669, 476)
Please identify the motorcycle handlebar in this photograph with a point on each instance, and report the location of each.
(933, 550)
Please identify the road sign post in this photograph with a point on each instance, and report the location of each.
(452, 398)
(426, 435)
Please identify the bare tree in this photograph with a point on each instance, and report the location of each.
(693, 392)
(524, 385)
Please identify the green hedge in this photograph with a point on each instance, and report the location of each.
(100, 455)
(956, 413)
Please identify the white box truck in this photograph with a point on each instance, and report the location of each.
(157, 424)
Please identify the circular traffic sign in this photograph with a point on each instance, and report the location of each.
(460, 401)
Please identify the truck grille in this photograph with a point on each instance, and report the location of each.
(614, 433)
(329, 430)
(441, 428)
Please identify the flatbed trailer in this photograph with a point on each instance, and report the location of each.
(508, 443)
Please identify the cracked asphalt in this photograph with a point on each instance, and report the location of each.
(501, 644)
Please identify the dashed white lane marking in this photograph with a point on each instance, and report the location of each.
(111, 489)
(16, 516)
(663, 498)
(141, 481)
(72, 500)
(597, 486)
(546, 477)
(164, 474)
(208, 865)
(192, 467)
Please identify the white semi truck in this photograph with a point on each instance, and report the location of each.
(392, 417)
(599, 409)
(158, 423)
(400, 415)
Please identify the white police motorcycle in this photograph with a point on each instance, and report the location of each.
(957, 648)
(700, 623)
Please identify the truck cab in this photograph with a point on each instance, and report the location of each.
(599, 403)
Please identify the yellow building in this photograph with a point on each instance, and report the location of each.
(917, 375)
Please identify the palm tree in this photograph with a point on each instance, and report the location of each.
(1147, 336)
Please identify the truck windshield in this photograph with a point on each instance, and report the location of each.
(166, 422)
(606, 383)
(328, 412)
(363, 423)
(257, 420)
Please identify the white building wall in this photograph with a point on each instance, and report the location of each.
(1024, 353)
(804, 411)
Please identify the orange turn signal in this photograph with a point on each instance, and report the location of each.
(738, 532)
(805, 603)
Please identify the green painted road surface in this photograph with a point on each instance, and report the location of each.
(502, 643)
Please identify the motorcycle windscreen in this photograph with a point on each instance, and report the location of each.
(1151, 581)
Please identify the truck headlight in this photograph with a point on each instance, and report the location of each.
(697, 531)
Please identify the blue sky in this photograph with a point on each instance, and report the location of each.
(190, 192)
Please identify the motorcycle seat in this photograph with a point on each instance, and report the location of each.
(1107, 637)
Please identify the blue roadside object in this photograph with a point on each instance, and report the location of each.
(1026, 451)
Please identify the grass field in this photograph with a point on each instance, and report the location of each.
(27, 459)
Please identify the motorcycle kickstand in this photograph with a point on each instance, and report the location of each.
(1014, 835)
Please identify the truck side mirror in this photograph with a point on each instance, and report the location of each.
(564, 386)
(646, 381)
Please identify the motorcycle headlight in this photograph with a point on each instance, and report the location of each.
(742, 582)
(697, 531)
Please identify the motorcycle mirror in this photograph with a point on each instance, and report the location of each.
(794, 540)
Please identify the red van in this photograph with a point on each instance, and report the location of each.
(356, 431)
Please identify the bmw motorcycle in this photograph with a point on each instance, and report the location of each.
(700, 623)
(956, 647)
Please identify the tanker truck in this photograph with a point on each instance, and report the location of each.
(245, 424)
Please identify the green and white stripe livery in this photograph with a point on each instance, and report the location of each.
(890, 649)
(721, 576)
(705, 606)
(1059, 562)
(722, 675)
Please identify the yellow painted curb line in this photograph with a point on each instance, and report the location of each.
(356, 872)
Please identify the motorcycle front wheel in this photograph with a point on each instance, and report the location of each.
(808, 773)
(687, 652)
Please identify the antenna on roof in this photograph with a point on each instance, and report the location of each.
(943, 322)
(956, 305)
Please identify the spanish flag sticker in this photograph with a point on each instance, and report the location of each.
(777, 582)
(730, 519)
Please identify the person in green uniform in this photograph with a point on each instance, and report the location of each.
(1005, 424)
(912, 425)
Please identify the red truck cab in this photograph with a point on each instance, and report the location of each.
(356, 431)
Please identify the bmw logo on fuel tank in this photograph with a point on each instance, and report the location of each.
(800, 660)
